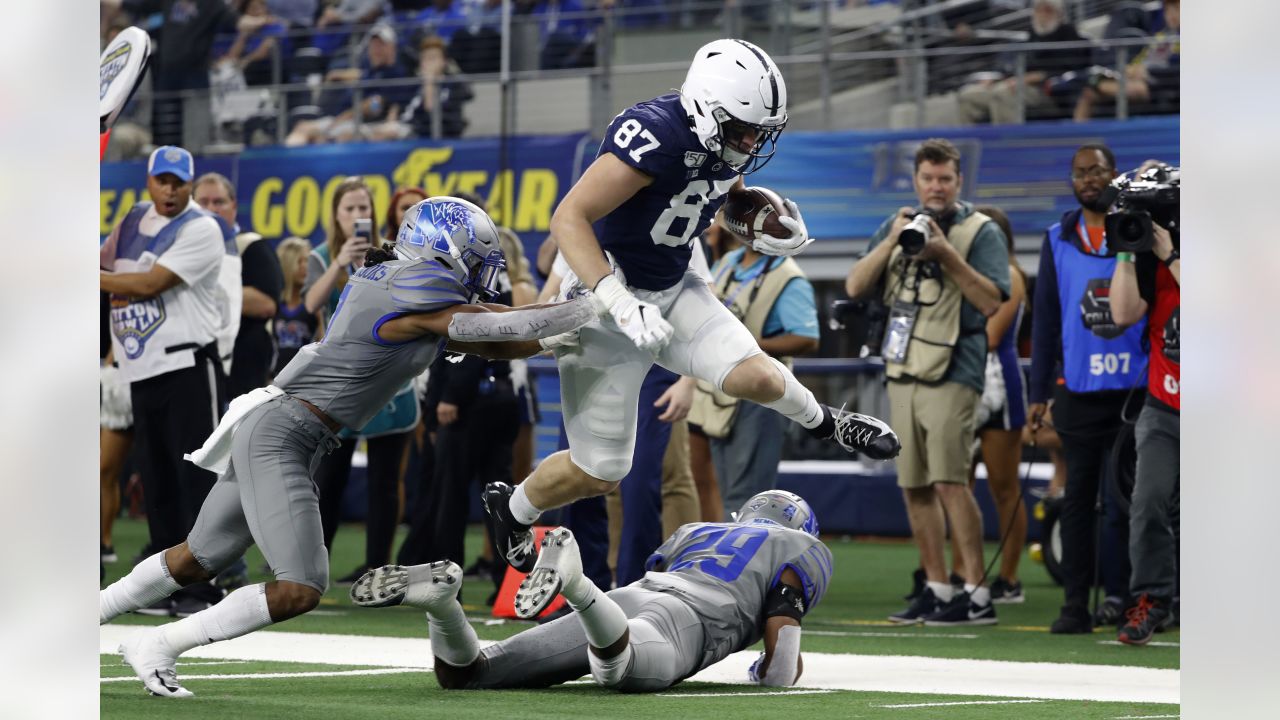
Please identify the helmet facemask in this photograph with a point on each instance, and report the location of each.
(729, 133)
(482, 280)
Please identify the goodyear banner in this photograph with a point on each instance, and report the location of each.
(848, 182)
(289, 191)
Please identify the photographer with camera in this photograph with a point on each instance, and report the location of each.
(942, 270)
(1102, 370)
(1146, 285)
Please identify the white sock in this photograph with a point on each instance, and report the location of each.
(239, 613)
(602, 619)
(979, 596)
(453, 640)
(797, 402)
(146, 583)
(521, 508)
(943, 591)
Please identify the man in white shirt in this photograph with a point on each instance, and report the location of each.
(161, 266)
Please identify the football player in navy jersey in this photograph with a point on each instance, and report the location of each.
(662, 172)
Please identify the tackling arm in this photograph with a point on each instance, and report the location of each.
(784, 607)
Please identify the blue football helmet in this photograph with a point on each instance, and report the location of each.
(457, 235)
(778, 507)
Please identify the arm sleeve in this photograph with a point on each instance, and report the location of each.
(795, 312)
(260, 269)
(196, 252)
(814, 566)
(1046, 322)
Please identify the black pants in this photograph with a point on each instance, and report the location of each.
(173, 414)
(1087, 425)
(476, 448)
(385, 455)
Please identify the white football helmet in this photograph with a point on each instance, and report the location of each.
(733, 88)
(458, 235)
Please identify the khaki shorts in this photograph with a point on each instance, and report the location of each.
(935, 425)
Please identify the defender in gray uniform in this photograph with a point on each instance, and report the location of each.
(394, 317)
(712, 589)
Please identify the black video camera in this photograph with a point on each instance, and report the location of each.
(865, 321)
(1150, 197)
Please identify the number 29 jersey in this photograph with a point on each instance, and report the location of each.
(651, 234)
(725, 570)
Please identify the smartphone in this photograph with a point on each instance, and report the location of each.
(364, 230)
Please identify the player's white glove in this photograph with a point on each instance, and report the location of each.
(642, 322)
(563, 342)
(786, 246)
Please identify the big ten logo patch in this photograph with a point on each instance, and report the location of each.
(134, 322)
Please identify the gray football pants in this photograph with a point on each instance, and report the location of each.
(267, 496)
(1153, 543)
(666, 647)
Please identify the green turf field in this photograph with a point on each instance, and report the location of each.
(869, 580)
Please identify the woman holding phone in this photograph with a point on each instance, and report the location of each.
(352, 232)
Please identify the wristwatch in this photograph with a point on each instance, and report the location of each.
(1173, 256)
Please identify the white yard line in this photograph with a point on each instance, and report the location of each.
(966, 702)
(828, 671)
(271, 676)
(746, 694)
(909, 635)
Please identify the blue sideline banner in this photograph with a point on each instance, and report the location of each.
(287, 191)
(848, 182)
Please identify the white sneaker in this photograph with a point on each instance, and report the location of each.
(559, 564)
(153, 663)
(421, 586)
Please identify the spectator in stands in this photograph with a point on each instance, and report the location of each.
(294, 327)
(253, 356)
(388, 432)
(935, 359)
(161, 265)
(1149, 286)
(437, 91)
(774, 299)
(441, 18)
(997, 100)
(1102, 367)
(404, 199)
(295, 13)
(181, 60)
(477, 45)
(1001, 433)
(250, 51)
(566, 42)
(1152, 76)
(378, 62)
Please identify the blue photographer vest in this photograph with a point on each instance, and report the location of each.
(1096, 354)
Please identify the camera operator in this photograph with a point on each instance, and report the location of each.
(1148, 286)
(943, 271)
(1102, 366)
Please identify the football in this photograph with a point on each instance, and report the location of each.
(752, 212)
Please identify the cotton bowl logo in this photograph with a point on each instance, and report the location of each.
(112, 64)
(133, 323)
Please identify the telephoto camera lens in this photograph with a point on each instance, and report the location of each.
(914, 235)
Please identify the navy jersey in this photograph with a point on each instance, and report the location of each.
(651, 234)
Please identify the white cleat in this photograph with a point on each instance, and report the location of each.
(421, 586)
(559, 564)
(153, 663)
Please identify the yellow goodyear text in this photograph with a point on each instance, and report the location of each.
(113, 205)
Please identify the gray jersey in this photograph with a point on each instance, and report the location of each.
(724, 571)
(352, 374)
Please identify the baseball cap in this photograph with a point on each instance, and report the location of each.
(172, 159)
(384, 32)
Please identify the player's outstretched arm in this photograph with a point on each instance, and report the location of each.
(605, 185)
(527, 325)
(780, 665)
